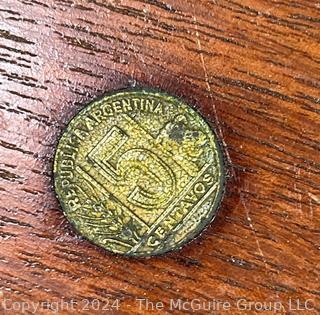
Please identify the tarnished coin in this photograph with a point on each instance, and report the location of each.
(139, 173)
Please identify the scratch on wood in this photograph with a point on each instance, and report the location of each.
(216, 117)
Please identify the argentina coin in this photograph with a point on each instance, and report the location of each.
(139, 172)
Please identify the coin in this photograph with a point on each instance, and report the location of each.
(139, 172)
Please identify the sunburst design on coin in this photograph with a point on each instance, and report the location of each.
(139, 173)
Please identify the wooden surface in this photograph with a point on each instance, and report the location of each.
(252, 67)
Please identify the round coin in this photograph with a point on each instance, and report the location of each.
(139, 172)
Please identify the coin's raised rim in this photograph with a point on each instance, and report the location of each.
(200, 229)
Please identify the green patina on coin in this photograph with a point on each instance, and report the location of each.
(139, 173)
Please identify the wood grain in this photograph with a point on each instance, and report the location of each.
(251, 66)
